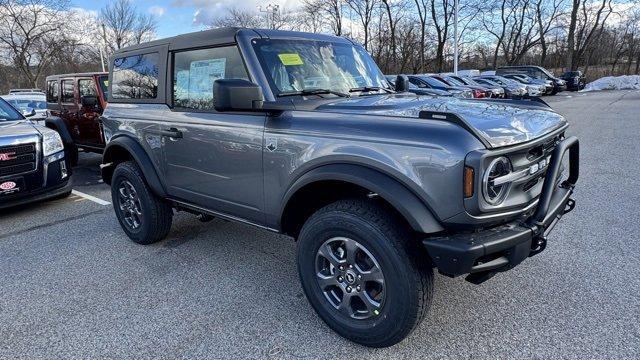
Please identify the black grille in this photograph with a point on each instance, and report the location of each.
(17, 159)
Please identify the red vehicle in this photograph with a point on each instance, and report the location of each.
(75, 103)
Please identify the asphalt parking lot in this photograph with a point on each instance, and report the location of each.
(73, 286)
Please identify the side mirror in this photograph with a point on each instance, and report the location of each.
(28, 112)
(402, 83)
(237, 95)
(89, 101)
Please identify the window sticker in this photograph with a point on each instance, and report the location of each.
(290, 59)
(202, 74)
(182, 84)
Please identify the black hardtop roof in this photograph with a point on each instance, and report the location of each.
(225, 35)
(83, 74)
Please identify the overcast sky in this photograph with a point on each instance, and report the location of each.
(183, 16)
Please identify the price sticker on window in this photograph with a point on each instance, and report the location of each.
(290, 59)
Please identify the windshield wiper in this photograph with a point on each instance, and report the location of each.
(370, 89)
(313, 92)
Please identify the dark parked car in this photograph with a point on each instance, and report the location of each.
(428, 82)
(536, 72)
(416, 90)
(526, 79)
(75, 103)
(575, 80)
(496, 91)
(478, 91)
(511, 89)
(32, 162)
(300, 134)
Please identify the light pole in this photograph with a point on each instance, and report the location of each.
(455, 37)
(270, 9)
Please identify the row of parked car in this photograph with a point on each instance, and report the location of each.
(514, 82)
(302, 134)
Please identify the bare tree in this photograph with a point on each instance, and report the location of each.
(123, 25)
(441, 16)
(237, 17)
(422, 7)
(33, 32)
(547, 13)
(312, 15)
(586, 23)
(365, 11)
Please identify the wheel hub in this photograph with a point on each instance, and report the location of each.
(129, 205)
(350, 278)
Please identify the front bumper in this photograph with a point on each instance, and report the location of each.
(51, 180)
(483, 254)
(38, 195)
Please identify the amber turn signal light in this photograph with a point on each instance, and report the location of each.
(468, 182)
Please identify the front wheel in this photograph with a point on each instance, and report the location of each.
(144, 217)
(361, 272)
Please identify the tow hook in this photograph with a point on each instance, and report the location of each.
(538, 245)
(570, 205)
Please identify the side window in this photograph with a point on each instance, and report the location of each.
(195, 71)
(135, 77)
(417, 83)
(86, 87)
(67, 91)
(52, 91)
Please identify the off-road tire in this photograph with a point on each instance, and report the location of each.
(157, 214)
(408, 277)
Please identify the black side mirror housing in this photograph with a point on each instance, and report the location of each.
(402, 83)
(89, 100)
(237, 95)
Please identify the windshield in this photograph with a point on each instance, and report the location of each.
(104, 85)
(7, 113)
(299, 65)
(433, 82)
(455, 81)
(487, 82)
(22, 104)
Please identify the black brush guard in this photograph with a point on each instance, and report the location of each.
(483, 254)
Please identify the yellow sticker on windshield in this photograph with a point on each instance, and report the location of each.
(290, 59)
(106, 83)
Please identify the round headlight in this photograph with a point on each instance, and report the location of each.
(495, 194)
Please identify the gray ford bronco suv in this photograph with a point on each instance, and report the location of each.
(299, 134)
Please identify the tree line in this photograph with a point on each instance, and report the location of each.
(599, 37)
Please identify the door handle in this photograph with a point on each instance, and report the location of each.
(171, 133)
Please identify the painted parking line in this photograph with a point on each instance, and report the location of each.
(89, 197)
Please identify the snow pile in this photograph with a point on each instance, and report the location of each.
(625, 82)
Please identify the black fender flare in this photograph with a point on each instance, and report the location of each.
(139, 155)
(57, 124)
(409, 205)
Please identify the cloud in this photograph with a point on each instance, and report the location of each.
(157, 11)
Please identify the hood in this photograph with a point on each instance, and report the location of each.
(17, 128)
(499, 122)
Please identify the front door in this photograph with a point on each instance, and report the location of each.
(69, 108)
(88, 116)
(213, 160)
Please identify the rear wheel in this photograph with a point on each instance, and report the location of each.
(144, 217)
(360, 272)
